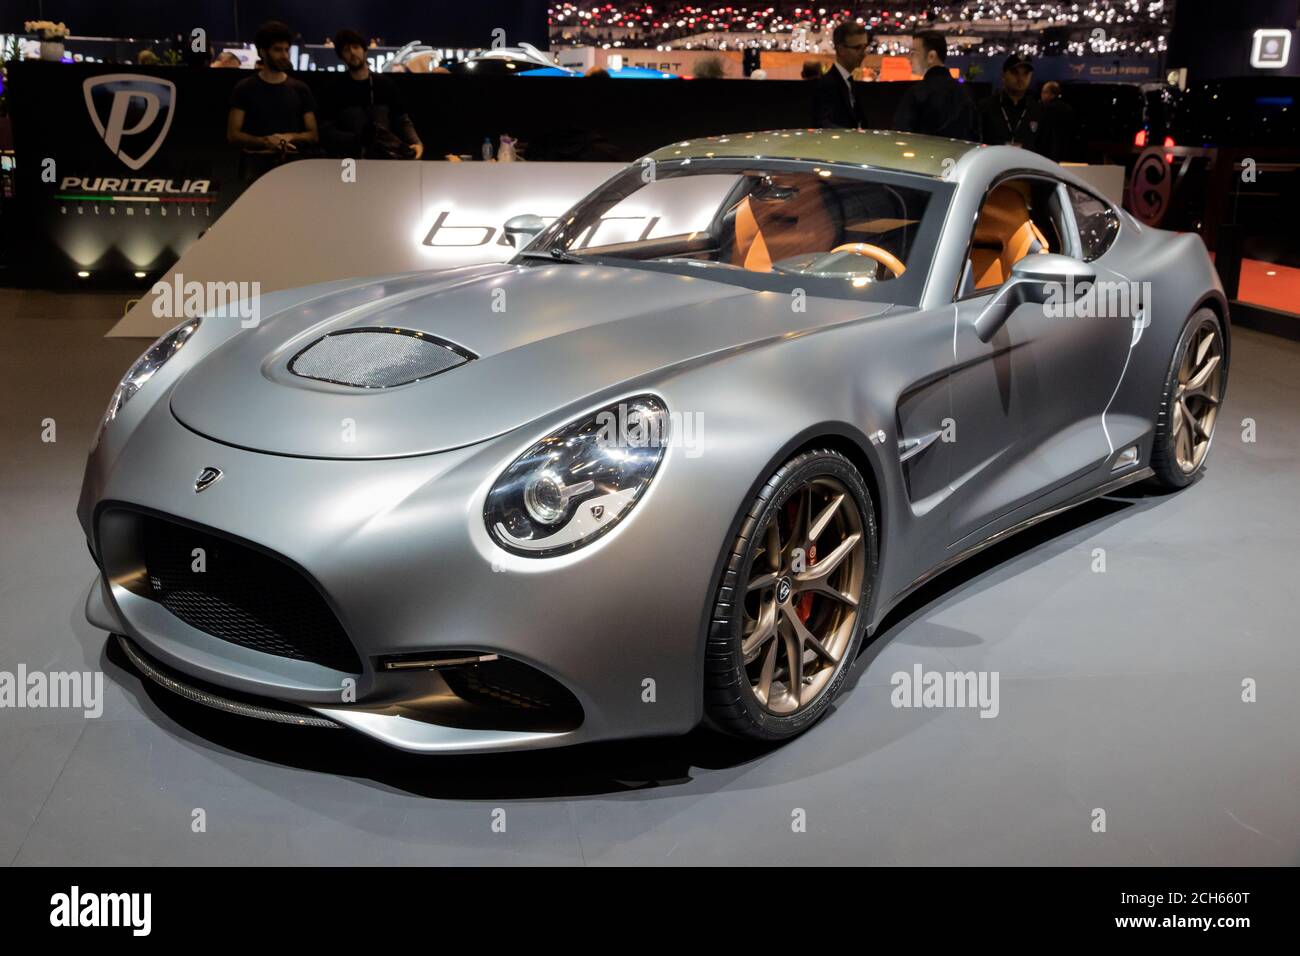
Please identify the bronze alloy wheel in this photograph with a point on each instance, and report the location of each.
(801, 604)
(1195, 385)
(1197, 396)
(792, 605)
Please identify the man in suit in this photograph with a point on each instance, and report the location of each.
(836, 105)
(938, 105)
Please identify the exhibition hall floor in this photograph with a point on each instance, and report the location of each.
(1119, 690)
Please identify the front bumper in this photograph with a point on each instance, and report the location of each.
(216, 699)
(398, 549)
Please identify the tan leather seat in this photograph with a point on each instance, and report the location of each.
(771, 230)
(751, 248)
(1004, 234)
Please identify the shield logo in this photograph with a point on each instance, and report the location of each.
(137, 109)
(207, 477)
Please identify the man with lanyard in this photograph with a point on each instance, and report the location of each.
(366, 115)
(1011, 117)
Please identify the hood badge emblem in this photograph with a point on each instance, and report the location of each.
(207, 477)
(597, 511)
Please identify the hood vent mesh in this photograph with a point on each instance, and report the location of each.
(376, 358)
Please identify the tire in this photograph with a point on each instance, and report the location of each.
(1169, 460)
(734, 700)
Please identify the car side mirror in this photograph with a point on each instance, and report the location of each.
(520, 230)
(1051, 267)
(1034, 279)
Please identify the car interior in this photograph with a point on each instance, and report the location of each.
(1019, 217)
(799, 223)
(807, 223)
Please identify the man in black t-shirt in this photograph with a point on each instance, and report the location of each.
(272, 115)
(366, 115)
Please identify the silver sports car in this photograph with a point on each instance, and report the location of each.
(671, 464)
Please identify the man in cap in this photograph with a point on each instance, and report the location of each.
(1011, 116)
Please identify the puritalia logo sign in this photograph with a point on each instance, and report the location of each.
(132, 114)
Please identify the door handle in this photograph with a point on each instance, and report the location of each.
(909, 448)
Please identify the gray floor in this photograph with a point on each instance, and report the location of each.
(1119, 691)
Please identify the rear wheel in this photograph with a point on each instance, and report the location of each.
(1189, 407)
(791, 608)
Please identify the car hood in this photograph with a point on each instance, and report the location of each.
(539, 337)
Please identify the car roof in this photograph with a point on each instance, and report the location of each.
(875, 148)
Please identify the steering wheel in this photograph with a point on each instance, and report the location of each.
(886, 259)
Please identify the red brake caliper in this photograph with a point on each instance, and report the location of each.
(804, 609)
(806, 600)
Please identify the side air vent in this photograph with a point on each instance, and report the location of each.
(376, 358)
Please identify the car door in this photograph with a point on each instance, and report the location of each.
(1029, 402)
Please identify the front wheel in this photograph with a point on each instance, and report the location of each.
(1194, 388)
(791, 608)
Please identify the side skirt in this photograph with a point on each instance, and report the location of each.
(1082, 498)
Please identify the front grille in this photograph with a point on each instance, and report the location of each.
(243, 596)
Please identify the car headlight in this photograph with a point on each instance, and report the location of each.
(145, 367)
(577, 483)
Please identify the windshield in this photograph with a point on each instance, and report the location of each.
(773, 226)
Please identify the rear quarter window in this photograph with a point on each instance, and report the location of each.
(1098, 223)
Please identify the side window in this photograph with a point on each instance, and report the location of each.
(1019, 217)
(1098, 224)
